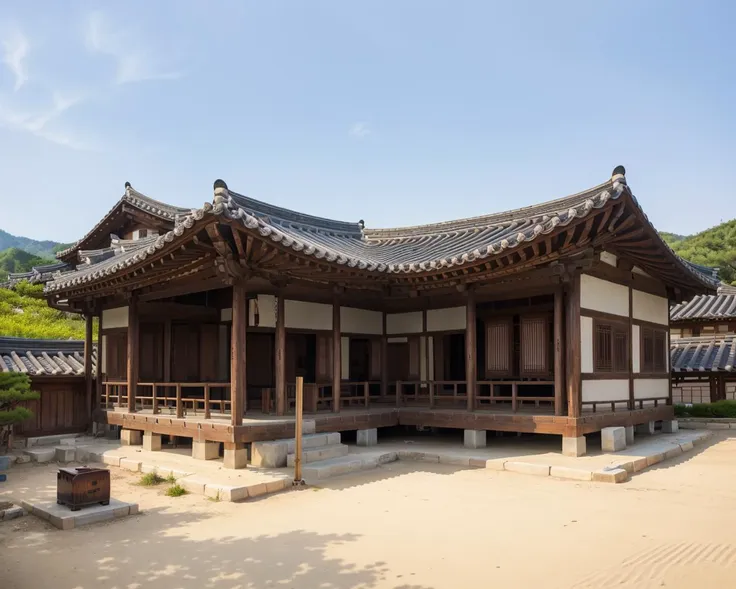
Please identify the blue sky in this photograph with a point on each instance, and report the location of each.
(398, 113)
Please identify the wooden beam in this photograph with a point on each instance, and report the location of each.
(470, 348)
(572, 335)
(88, 361)
(237, 357)
(336, 355)
(133, 353)
(559, 343)
(280, 356)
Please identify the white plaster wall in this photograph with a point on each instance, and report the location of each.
(112, 318)
(605, 390)
(226, 314)
(453, 318)
(651, 388)
(266, 311)
(636, 348)
(586, 344)
(103, 358)
(423, 358)
(604, 296)
(345, 357)
(404, 322)
(354, 320)
(609, 258)
(301, 315)
(649, 307)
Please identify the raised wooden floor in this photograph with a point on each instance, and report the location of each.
(258, 426)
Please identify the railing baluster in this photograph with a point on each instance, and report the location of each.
(154, 391)
(179, 406)
(398, 393)
(431, 394)
(366, 394)
(514, 400)
(207, 401)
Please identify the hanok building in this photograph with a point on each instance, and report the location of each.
(37, 274)
(550, 319)
(703, 347)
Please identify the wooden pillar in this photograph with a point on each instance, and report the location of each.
(133, 353)
(573, 363)
(384, 359)
(237, 354)
(336, 356)
(630, 367)
(88, 361)
(559, 343)
(100, 360)
(167, 350)
(280, 356)
(470, 348)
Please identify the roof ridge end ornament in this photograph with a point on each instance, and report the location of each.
(619, 175)
(221, 191)
(128, 189)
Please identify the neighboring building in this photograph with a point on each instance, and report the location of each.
(37, 274)
(547, 319)
(57, 372)
(703, 347)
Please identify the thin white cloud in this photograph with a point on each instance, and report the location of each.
(42, 123)
(15, 50)
(135, 63)
(360, 130)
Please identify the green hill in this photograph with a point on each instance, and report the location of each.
(713, 247)
(18, 260)
(44, 249)
(24, 313)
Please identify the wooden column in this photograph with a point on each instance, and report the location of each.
(88, 361)
(572, 333)
(630, 368)
(100, 360)
(470, 348)
(237, 354)
(133, 352)
(384, 359)
(559, 343)
(167, 350)
(280, 357)
(336, 356)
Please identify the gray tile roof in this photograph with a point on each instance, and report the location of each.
(38, 357)
(38, 274)
(139, 200)
(703, 354)
(706, 308)
(399, 251)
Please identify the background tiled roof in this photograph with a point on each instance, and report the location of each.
(44, 357)
(702, 354)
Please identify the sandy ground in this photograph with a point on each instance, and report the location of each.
(405, 525)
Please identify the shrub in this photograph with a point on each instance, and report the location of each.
(15, 388)
(719, 409)
(171, 478)
(176, 490)
(151, 478)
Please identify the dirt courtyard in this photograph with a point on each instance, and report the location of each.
(405, 525)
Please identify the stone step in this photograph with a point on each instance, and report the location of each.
(324, 469)
(319, 453)
(41, 454)
(273, 454)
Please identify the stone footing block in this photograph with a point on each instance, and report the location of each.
(131, 437)
(474, 438)
(367, 437)
(151, 441)
(574, 446)
(41, 454)
(235, 456)
(629, 435)
(645, 428)
(670, 426)
(205, 450)
(613, 439)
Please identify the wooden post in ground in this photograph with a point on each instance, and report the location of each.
(559, 343)
(336, 356)
(132, 354)
(470, 348)
(298, 430)
(573, 364)
(88, 363)
(237, 351)
(280, 357)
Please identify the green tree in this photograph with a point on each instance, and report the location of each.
(15, 388)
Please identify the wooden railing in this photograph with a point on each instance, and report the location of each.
(176, 397)
(358, 394)
(514, 400)
(432, 393)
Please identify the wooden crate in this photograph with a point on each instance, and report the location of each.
(79, 487)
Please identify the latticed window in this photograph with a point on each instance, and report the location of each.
(653, 350)
(610, 347)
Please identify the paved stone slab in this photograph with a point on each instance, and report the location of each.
(575, 474)
(41, 454)
(226, 492)
(130, 464)
(65, 454)
(12, 513)
(65, 519)
(541, 470)
(319, 453)
(614, 475)
(50, 440)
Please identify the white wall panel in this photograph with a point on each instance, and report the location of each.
(648, 307)
(605, 390)
(301, 315)
(604, 296)
(609, 258)
(103, 358)
(586, 344)
(114, 318)
(636, 348)
(651, 388)
(423, 358)
(450, 319)
(363, 321)
(404, 322)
